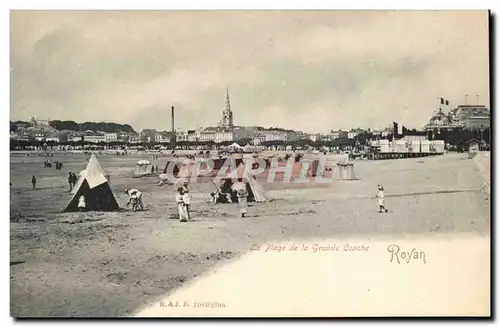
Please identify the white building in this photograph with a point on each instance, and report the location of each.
(193, 136)
(275, 135)
(410, 138)
(224, 136)
(74, 138)
(258, 139)
(352, 134)
(110, 137)
(207, 136)
(162, 137)
(181, 136)
(134, 139)
(52, 139)
(96, 138)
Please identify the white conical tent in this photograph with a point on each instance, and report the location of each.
(94, 186)
(94, 174)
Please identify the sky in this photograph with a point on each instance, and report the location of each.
(312, 71)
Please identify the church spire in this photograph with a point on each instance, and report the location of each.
(227, 115)
(228, 103)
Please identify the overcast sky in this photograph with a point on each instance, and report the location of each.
(311, 71)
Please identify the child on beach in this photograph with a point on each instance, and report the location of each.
(242, 194)
(81, 203)
(381, 199)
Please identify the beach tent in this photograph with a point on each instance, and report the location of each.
(143, 167)
(180, 169)
(94, 186)
(219, 162)
(255, 190)
(344, 171)
(79, 181)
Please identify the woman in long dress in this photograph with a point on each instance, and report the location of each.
(179, 198)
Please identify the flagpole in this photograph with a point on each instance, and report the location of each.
(466, 95)
(477, 99)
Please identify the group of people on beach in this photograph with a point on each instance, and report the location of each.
(183, 200)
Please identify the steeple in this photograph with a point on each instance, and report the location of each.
(228, 103)
(227, 115)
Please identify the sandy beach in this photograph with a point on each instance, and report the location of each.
(124, 263)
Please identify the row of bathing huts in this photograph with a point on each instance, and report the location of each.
(398, 149)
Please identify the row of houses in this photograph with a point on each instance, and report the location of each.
(253, 135)
(352, 134)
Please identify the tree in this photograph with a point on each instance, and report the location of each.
(13, 127)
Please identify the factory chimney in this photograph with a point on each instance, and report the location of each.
(173, 126)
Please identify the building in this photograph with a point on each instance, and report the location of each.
(442, 122)
(95, 138)
(240, 132)
(193, 136)
(207, 135)
(334, 134)
(227, 114)
(74, 138)
(258, 139)
(148, 135)
(37, 135)
(340, 134)
(110, 137)
(352, 134)
(273, 135)
(314, 137)
(162, 137)
(291, 136)
(410, 138)
(123, 137)
(472, 117)
(224, 136)
(134, 138)
(39, 123)
(463, 117)
(181, 136)
(52, 139)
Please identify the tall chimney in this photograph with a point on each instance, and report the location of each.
(173, 126)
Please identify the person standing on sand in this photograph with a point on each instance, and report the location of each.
(381, 199)
(186, 198)
(33, 181)
(81, 203)
(70, 181)
(74, 179)
(242, 194)
(181, 205)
